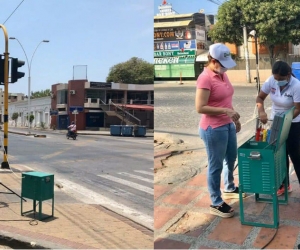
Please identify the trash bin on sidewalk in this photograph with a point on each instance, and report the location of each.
(296, 69)
(127, 130)
(262, 167)
(115, 130)
(37, 186)
(139, 130)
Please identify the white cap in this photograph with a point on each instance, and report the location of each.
(221, 53)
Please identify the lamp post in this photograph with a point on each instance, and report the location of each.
(29, 76)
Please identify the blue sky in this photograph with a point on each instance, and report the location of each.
(96, 33)
(190, 6)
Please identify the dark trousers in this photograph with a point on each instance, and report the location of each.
(293, 149)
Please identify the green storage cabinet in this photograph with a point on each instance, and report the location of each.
(262, 167)
(37, 186)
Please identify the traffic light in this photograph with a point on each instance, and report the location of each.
(15, 74)
(1, 70)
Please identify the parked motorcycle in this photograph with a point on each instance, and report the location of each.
(71, 134)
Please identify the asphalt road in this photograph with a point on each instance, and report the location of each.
(93, 168)
(175, 112)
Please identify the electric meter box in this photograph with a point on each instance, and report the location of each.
(37, 186)
(262, 167)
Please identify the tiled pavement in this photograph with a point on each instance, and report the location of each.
(183, 221)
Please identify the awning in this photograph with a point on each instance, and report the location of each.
(137, 107)
(202, 57)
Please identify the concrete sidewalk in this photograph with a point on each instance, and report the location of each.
(183, 221)
(75, 225)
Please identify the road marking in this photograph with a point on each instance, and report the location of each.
(143, 172)
(128, 183)
(90, 197)
(136, 177)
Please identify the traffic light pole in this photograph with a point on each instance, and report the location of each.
(5, 141)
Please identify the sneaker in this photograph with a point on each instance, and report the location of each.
(223, 210)
(281, 190)
(233, 195)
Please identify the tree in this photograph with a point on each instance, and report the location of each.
(276, 23)
(31, 118)
(135, 71)
(14, 117)
(39, 94)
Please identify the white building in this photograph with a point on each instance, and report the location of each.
(39, 107)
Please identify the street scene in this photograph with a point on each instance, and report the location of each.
(116, 188)
(76, 117)
(181, 200)
(228, 72)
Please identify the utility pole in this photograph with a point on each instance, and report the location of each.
(5, 141)
(246, 54)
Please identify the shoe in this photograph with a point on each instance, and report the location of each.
(224, 210)
(281, 190)
(233, 195)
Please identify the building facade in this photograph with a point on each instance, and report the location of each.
(180, 43)
(39, 108)
(96, 105)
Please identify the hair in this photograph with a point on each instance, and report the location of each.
(282, 68)
(73, 122)
(209, 60)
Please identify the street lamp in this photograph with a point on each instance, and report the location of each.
(29, 76)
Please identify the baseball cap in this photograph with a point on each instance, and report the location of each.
(221, 53)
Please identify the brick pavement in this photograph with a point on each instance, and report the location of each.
(183, 221)
(74, 225)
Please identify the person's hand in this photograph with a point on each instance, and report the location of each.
(263, 117)
(233, 114)
(238, 126)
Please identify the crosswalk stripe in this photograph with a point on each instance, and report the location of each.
(128, 183)
(136, 177)
(144, 172)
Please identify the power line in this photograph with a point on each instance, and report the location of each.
(14, 11)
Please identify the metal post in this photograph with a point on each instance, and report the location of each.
(5, 141)
(28, 107)
(257, 65)
(246, 54)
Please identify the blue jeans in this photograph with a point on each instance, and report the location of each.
(221, 148)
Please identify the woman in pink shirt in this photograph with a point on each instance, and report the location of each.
(218, 127)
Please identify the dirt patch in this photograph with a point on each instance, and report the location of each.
(190, 222)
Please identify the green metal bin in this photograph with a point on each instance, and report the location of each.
(262, 167)
(37, 186)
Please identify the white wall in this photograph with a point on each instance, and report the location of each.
(39, 107)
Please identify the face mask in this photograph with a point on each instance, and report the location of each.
(282, 83)
(222, 70)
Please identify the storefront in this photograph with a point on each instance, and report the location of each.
(178, 39)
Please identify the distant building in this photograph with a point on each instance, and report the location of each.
(180, 43)
(96, 105)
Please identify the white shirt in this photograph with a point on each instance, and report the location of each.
(284, 100)
(72, 127)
